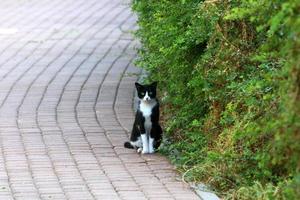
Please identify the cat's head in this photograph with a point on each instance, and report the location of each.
(146, 92)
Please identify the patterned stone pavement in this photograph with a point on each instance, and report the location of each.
(66, 90)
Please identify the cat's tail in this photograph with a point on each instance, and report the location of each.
(128, 145)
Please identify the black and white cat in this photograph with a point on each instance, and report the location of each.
(146, 133)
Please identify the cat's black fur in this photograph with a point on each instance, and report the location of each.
(146, 125)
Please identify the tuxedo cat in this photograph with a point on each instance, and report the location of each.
(146, 133)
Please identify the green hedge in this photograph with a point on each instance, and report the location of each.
(229, 80)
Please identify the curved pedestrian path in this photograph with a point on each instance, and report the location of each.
(66, 94)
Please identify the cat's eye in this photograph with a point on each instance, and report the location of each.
(150, 93)
(142, 93)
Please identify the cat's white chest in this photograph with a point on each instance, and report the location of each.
(146, 109)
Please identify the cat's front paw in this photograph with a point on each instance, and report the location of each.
(145, 151)
(151, 151)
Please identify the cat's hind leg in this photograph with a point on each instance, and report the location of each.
(155, 137)
(133, 144)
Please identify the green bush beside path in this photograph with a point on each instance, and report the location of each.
(229, 80)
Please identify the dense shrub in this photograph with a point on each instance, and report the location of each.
(229, 74)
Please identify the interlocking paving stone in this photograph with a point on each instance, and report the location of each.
(66, 105)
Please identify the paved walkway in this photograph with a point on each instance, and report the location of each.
(66, 90)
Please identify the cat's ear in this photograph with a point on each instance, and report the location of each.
(154, 84)
(138, 86)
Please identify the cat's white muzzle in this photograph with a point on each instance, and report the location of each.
(146, 97)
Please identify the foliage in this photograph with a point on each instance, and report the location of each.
(229, 74)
